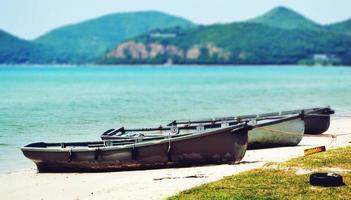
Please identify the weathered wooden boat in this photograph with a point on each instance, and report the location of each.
(268, 130)
(222, 145)
(271, 131)
(317, 120)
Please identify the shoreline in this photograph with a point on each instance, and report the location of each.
(161, 65)
(157, 183)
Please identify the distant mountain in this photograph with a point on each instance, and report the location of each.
(286, 18)
(341, 27)
(264, 40)
(281, 36)
(11, 47)
(14, 50)
(94, 37)
(8, 40)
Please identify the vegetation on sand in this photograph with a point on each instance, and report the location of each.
(268, 183)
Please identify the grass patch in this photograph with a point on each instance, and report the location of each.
(335, 158)
(268, 183)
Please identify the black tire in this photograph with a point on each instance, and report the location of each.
(326, 179)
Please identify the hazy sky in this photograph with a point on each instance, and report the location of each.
(31, 18)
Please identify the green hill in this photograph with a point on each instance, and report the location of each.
(341, 27)
(236, 43)
(14, 50)
(286, 18)
(280, 36)
(7, 40)
(94, 37)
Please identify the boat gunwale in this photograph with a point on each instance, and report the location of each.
(244, 118)
(232, 129)
(257, 116)
(279, 119)
(297, 116)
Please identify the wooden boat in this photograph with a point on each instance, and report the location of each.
(285, 130)
(317, 120)
(268, 131)
(222, 145)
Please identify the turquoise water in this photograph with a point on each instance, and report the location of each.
(79, 103)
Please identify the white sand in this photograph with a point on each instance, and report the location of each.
(142, 184)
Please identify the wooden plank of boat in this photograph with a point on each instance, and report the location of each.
(154, 133)
(159, 132)
(223, 145)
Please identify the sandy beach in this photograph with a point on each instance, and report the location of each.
(153, 184)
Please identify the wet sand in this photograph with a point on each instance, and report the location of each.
(153, 184)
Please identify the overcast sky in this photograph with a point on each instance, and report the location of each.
(30, 18)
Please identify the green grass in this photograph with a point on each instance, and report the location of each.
(267, 183)
(336, 158)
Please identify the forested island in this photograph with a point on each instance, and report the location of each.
(281, 36)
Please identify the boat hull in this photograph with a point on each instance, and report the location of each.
(220, 146)
(318, 122)
(286, 133)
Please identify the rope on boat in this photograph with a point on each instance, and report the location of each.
(257, 116)
(328, 115)
(277, 131)
(333, 136)
(70, 155)
(333, 142)
(97, 153)
(320, 135)
(134, 154)
(169, 154)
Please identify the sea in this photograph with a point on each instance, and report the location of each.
(78, 103)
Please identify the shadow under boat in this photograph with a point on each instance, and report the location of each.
(216, 146)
